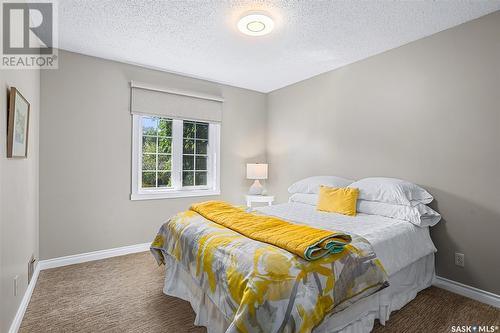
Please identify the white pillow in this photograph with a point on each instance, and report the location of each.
(391, 190)
(305, 198)
(420, 214)
(312, 184)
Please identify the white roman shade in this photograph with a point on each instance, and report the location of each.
(173, 103)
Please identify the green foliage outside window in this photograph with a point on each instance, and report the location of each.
(156, 152)
(195, 150)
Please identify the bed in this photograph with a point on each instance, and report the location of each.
(405, 250)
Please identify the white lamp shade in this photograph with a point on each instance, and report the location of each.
(257, 171)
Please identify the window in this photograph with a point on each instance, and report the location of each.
(156, 152)
(194, 154)
(174, 158)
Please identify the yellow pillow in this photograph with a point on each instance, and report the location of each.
(338, 200)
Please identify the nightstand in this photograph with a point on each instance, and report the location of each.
(259, 198)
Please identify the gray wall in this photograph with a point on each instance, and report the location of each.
(18, 196)
(428, 112)
(85, 154)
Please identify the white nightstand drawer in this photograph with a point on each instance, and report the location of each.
(259, 198)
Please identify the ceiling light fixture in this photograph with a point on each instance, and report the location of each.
(256, 24)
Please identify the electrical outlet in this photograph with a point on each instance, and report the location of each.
(459, 259)
(31, 267)
(16, 285)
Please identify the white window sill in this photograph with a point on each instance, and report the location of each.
(173, 194)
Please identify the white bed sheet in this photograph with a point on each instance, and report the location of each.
(397, 243)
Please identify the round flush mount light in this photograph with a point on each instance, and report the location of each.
(256, 24)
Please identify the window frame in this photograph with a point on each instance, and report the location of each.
(177, 190)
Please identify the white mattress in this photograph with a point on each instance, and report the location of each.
(397, 243)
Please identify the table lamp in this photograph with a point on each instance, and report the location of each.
(256, 171)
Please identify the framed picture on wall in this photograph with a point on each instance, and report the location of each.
(18, 125)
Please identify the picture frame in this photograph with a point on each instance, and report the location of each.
(17, 125)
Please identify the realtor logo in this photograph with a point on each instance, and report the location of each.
(29, 35)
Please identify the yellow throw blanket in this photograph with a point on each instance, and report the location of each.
(305, 241)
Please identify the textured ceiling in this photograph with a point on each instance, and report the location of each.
(200, 38)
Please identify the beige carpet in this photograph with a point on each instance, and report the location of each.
(124, 294)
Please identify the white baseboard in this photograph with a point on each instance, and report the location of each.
(91, 256)
(64, 261)
(468, 291)
(450, 285)
(16, 323)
